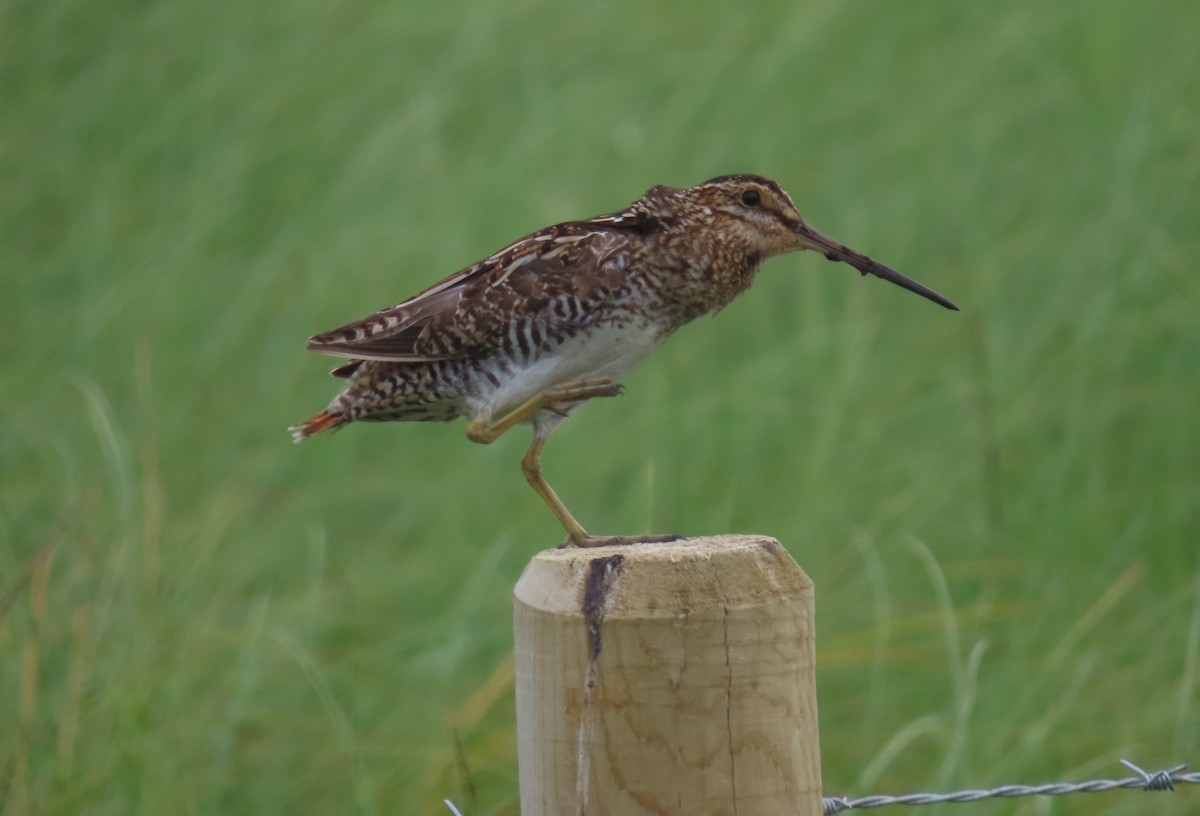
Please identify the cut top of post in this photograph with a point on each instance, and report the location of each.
(673, 578)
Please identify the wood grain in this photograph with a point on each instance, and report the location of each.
(669, 678)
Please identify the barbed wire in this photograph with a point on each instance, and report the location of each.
(1164, 780)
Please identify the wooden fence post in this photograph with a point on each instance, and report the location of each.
(669, 678)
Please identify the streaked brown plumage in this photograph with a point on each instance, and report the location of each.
(530, 333)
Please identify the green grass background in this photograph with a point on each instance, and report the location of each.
(1001, 508)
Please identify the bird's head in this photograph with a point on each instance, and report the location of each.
(757, 214)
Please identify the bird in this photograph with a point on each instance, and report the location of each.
(535, 330)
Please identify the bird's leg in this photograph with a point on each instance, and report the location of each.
(485, 432)
(531, 466)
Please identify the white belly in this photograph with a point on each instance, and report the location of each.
(602, 353)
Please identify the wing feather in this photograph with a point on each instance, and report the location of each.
(551, 276)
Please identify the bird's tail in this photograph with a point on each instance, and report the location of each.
(324, 421)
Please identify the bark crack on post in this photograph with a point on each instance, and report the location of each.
(729, 714)
(602, 575)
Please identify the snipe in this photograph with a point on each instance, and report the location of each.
(530, 333)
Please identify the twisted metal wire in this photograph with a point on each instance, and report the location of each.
(1164, 780)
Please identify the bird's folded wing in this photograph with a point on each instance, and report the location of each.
(547, 279)
(391, 334)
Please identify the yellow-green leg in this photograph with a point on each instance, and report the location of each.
(531, 466)
(484, 432)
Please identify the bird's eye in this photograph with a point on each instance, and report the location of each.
(751, 198)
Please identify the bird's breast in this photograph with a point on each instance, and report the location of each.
(701, 280)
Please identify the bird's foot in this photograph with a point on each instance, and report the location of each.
(616, 541)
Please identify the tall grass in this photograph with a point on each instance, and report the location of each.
(1001, 508)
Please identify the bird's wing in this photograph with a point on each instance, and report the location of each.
(552, 278)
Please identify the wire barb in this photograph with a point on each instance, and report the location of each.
(1158, 781)
(1164, 780)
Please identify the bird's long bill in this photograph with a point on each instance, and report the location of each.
(836, 251)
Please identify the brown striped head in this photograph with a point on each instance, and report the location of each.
(757, 214)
